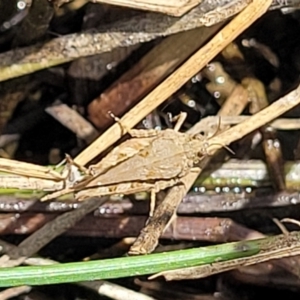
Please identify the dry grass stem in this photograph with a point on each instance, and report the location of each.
(263, 117)
(207, 124)
(172, 7)
(281, 246)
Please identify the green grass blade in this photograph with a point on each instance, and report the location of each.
(126, 266)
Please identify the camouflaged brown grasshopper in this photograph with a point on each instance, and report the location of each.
(152, 160)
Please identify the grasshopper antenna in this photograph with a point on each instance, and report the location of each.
(222, 146)
(124, 130)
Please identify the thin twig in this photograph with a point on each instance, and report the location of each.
(221, 229)
(54, 228)
(73, 121)
(14, 292)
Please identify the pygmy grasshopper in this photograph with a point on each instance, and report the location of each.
(152, 160)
